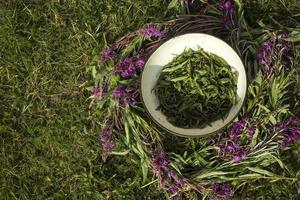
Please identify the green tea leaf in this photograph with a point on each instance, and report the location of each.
(196, 88)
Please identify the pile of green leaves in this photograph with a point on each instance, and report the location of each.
(196, 88)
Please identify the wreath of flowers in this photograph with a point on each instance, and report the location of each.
(224, 164)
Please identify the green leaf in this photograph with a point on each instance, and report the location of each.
(254, 138)
(261, 171)
(272, 119)
(264, 108)
(127, 132)
(119, 153)
(173, 4)
(140, 148)
(133, 47)
(175, 167)
(171, 69)
(179, 78)
(294, 36)
(94, 71)
(212, 174)
(254, 175)
(144, 165)
(274, 93)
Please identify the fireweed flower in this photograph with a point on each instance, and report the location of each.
(237, 128)
(159, 161)
(271, 50)
(151, 31)
(96, 91)
(120, 91)
(130, 66)
(100, 92)
(126, 95)
(251, 131)
(140, 63)
(107, 142)
(290, 136)
(108, 54)
(166, 177)
(126, 68)
(289, 129)
(221, 191)
(232, 151)
(228, 11)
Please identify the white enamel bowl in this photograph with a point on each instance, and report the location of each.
(165, 53)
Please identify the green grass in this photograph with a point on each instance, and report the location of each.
(49, 136)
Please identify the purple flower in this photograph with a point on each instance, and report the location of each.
(127, 95)
(105, 87)
(126, 68)
(100, 92)
(120, 91)
(228, 11)
(237, 128)
(220, 189)
(130, 66)
(173, 190)
(232, 151)
(289, 129)
(108, 54)
(96, 91)
(272, 50)
(290, 136)
(239, 156)
(159, 161)
(251, 131)
(140, 63)
(166, 177)
(176, 186)
(107, 142)
(151, 31)
(227, 6)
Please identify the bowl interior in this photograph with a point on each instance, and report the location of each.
(165, 54)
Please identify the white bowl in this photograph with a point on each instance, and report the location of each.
(165, 54)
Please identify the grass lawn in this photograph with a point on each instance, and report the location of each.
(49, 136)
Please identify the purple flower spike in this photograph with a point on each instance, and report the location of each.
(229, 7)
(289, 129)
(107, 142)
(220, 189)
(100, 92)
(140, 63)
(96, 91)
(120, 91)
(108, 54)
(130, 66)
(251, 131)
(127, 95)
(240, 156)
(159, 161)
(291, 136)
(126, 67)
(237, 128)
(228, 11)
(166, 177)
(151, 31)
(271, 50)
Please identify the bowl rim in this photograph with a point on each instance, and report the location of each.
(213, 132)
